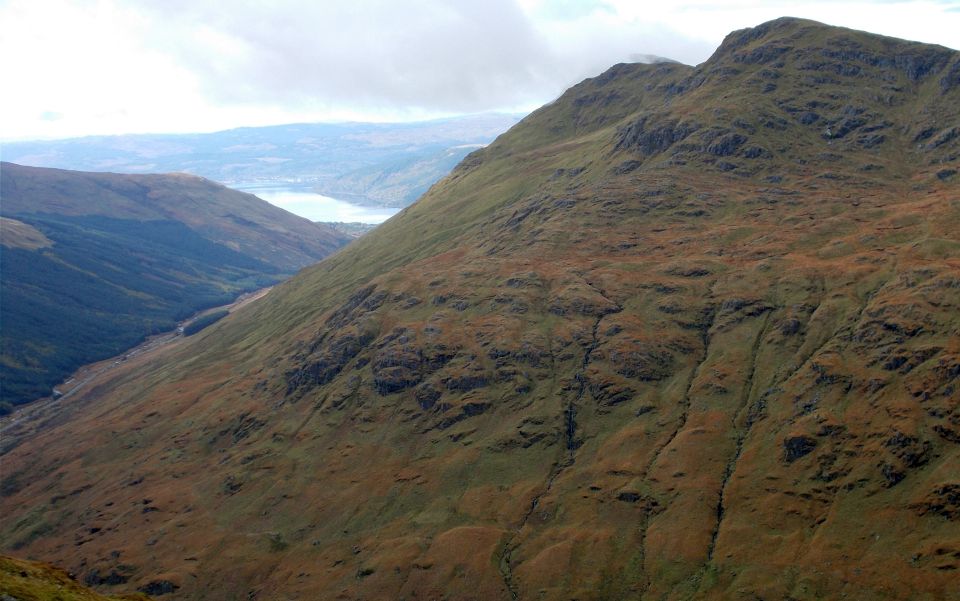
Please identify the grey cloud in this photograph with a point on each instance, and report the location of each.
(435, 55)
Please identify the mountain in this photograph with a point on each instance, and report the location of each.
(93, 262)
(389, 164)
(684, 333)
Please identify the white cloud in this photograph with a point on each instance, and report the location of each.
(112, 66)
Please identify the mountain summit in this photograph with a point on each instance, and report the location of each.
(682, 333)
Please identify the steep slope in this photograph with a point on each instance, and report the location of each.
(683, 333)
(93, 262)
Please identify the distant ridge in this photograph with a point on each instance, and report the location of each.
(389, 164)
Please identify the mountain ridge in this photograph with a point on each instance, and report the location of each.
(666, 338)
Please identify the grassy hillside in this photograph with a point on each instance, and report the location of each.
(684, 333)
(34, 581)
(92, 263)
(239, 221)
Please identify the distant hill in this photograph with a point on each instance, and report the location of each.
(93, 262)
(354, 230)
(388, 164)
(399, 181)
(685, 333)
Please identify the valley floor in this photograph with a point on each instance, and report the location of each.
(28, 418)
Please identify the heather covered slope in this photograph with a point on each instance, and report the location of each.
(683, 333)
(93, 262)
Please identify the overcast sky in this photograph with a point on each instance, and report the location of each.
(80, 67)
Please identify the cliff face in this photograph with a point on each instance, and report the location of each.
(683, 333)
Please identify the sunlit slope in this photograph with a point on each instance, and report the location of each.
(34, 581)
(683, 333)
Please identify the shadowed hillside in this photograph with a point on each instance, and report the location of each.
(93, 262)
(684, 333)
